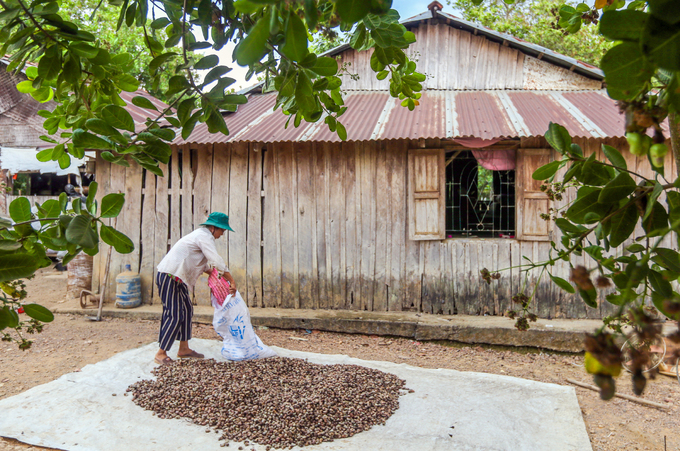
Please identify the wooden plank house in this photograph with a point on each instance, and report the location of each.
(403, 215)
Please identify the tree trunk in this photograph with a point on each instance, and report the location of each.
(674, 125)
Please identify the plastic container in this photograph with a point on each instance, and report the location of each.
(128, 289)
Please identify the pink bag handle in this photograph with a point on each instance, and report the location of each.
(218, 286)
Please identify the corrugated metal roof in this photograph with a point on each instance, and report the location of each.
(441, 114)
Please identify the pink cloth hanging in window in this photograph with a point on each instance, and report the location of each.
(492, 159)
(218, 286)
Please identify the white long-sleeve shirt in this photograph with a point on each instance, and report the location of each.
(191, 256)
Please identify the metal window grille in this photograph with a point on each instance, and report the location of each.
(479, 202)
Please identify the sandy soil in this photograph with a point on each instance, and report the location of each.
(71, 342)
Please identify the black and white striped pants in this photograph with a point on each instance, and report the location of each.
(177, 311)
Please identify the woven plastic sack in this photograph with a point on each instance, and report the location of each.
(219, 287)
(231, 321)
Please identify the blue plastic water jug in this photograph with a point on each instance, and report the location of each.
(128, 289)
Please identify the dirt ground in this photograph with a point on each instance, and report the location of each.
(71, 342)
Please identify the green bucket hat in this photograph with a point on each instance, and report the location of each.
(218, 219)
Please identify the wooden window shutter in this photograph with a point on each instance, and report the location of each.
(427, 200)
(531, 201)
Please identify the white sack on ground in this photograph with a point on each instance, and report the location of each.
(448, 410)
(231, 321)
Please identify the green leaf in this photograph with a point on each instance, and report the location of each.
(594, 173)
(566, 286)
(207, 62)
(118, 117)
(8, 318)
(358, 39)
(87, 140)
(325, 66)
(668, 258)
(656, 221)
(119, 241)
(666, 10)
(163, 133)
(352, 11)
(661, 43)
(127, 82)
(253, 47)
(25, 87)
(158, 61)
(342, 132)
(617, 189)
(9, 245)
(38, 312)
(660, 285)
(547, 171)
(51, 209)
(17, 266)
(112, 204)
(80, 232)
(614, 156)
(311, 14)
(91, 194)
(589, 297)
(20, 210)
(626, 70)
(558, 137)
(623, 25)
(622, 225)
(295, 46)
(111, 158)
(586, 202)
(566, 226)
(83, 49)
(616, 299)
(44, 155)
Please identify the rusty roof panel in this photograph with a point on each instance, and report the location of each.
(427, 120)
(600, 109)
(539, 109)
(480, 114)
(237, 122)
(360, 120)
(271, 128)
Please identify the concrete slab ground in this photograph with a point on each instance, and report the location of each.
(555, 334)
(447, 410)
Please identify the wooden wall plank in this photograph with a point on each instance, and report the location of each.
(396, 163)
(254, 227)
(287, 215)
(368, 207)
(271, 258)
(336, 156)
(320, 257)
(133, 213)
(352, 239)
(175, 193)
(238, 210)
(197, 191)
(219, 201)
(162, 225)
(147, 243)
(117, 260)
(381, 200)
(188, 169)
(431, 298)
(103, 179)
(306, 204)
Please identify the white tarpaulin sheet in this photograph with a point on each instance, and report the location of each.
(448, 410)
(19, 160)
